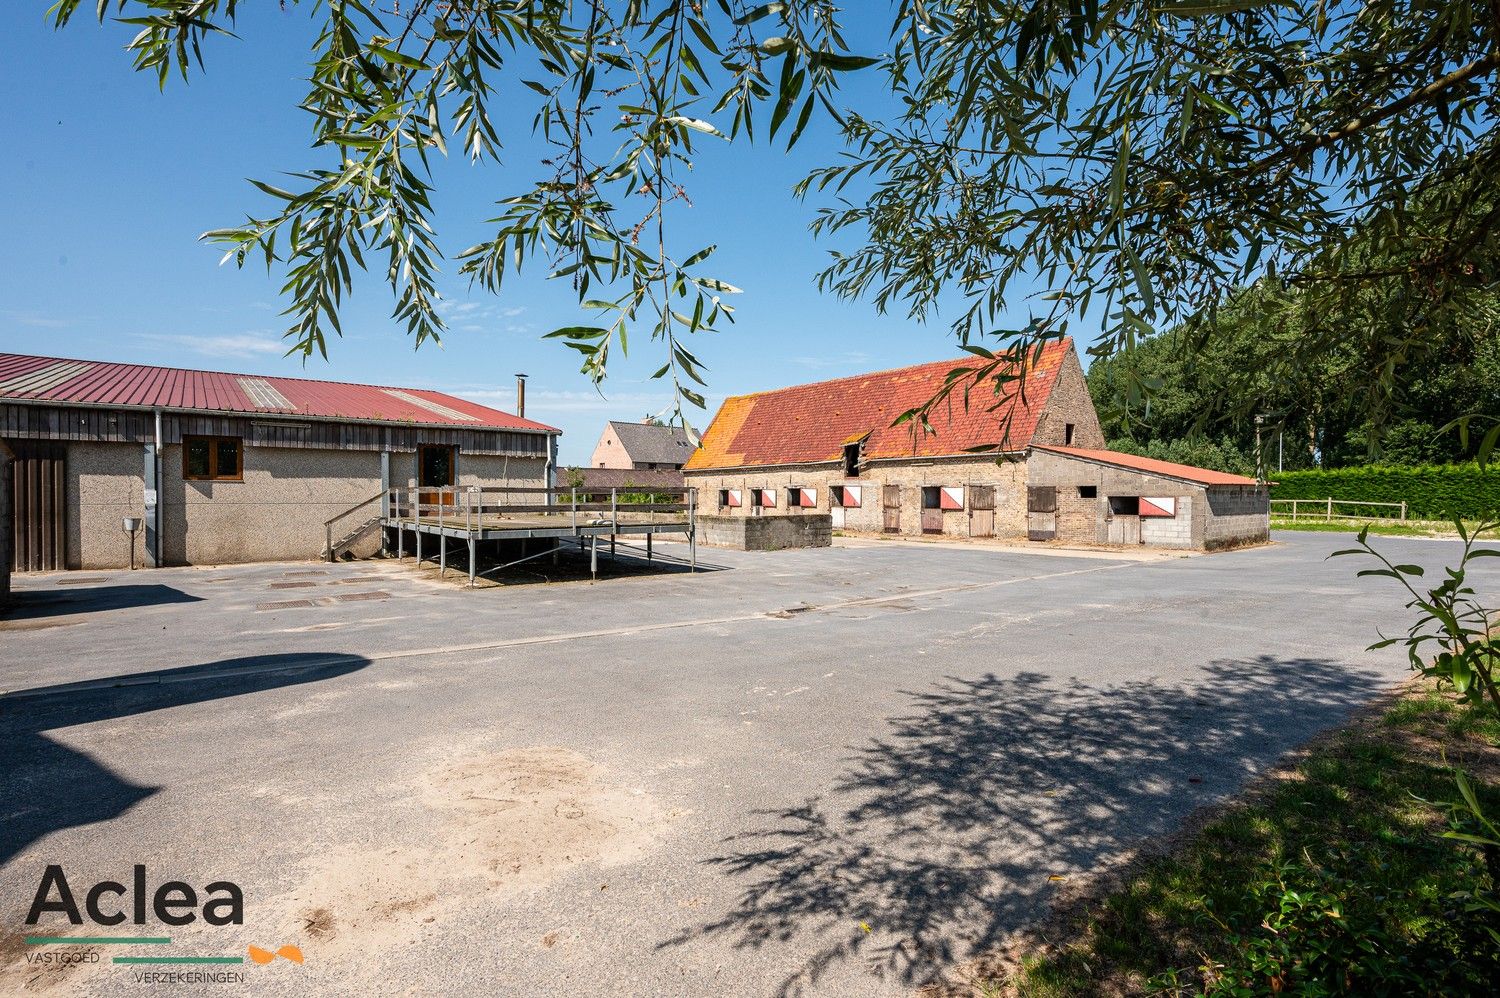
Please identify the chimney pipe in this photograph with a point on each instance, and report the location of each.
(521, 395)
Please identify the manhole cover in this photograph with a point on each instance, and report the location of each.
(286, 604)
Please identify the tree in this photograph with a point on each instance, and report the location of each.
(621, 91)
(1140, 158)
(1145, 159)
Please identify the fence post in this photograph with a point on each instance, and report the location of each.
(1294, 511)
(1403, 510)
(1330, 510)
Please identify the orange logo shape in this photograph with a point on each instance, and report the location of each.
(263, 956)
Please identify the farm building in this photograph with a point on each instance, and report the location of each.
(830, 450)
(646, 446)
(1104, 497)
(222, 468)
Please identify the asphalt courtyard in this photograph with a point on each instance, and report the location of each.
(836, 772)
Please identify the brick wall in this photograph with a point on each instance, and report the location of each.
(609, 452)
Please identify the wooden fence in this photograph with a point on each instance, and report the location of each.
(1327, 509)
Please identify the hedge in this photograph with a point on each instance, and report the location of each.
(1429, 491)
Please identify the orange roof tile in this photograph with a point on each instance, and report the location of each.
(1167, 469)
(810, 424)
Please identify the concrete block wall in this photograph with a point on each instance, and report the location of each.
(1175, 531)
(1008, 478)
(767, 532)
(1237, 515)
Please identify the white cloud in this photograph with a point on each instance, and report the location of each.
(249, 344)
(35, 320)
(850, 358)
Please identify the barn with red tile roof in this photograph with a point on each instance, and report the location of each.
(999, 460)
(835, 446)
(221, 467)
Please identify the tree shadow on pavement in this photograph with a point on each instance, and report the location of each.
(47, 786)
(34, 605)
(940, 837)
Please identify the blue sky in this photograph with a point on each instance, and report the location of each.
(110, 181)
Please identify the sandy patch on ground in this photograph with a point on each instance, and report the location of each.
(505, 821)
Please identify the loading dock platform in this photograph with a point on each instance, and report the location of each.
(474, 516)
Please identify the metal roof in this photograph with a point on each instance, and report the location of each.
(1150, 465)
(811, 424)
(62, 381)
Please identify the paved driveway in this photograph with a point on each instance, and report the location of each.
(834, 772)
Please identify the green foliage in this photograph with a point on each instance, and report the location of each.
(1330, 882)
(619, 91)
(1316, 414)
(1198, 451)
(1429, 491)
(1144, 158)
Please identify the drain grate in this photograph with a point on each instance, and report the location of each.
(86, 581)
(358, 596)
(291, 585)
(286, 604)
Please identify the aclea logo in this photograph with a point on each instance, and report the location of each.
(107, 902)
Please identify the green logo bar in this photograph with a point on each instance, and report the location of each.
(92, 940)
(179, 959)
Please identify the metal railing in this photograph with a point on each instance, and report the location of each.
(476, 512)
(328, 551)
(1325, 509)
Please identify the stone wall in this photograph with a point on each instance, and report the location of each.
(767, 532)
(1069, 403)
(1008, 478)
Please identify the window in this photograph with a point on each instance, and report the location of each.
(763, 497)
(930, 495)
(1067, 434)
(851, 460)
(1125, 505)
(801, 498)
(1088, 491)
(213, 459)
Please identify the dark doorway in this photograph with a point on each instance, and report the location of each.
(435, 467)
(38, 505)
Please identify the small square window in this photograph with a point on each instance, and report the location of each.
(212, 459)
(1088, 491)
(1067, 434)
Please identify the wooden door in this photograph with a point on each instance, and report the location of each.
(836, 511)
(891, 499)
(981, 511)
(1125, 529)
(1041, 512)
(38, 504)
(435, 469)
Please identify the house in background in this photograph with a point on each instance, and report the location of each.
(831, 448)
(225, 468)
(648, 446)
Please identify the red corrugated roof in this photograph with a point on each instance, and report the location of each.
(85, 382)
(809, 424)
(1186, 472)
